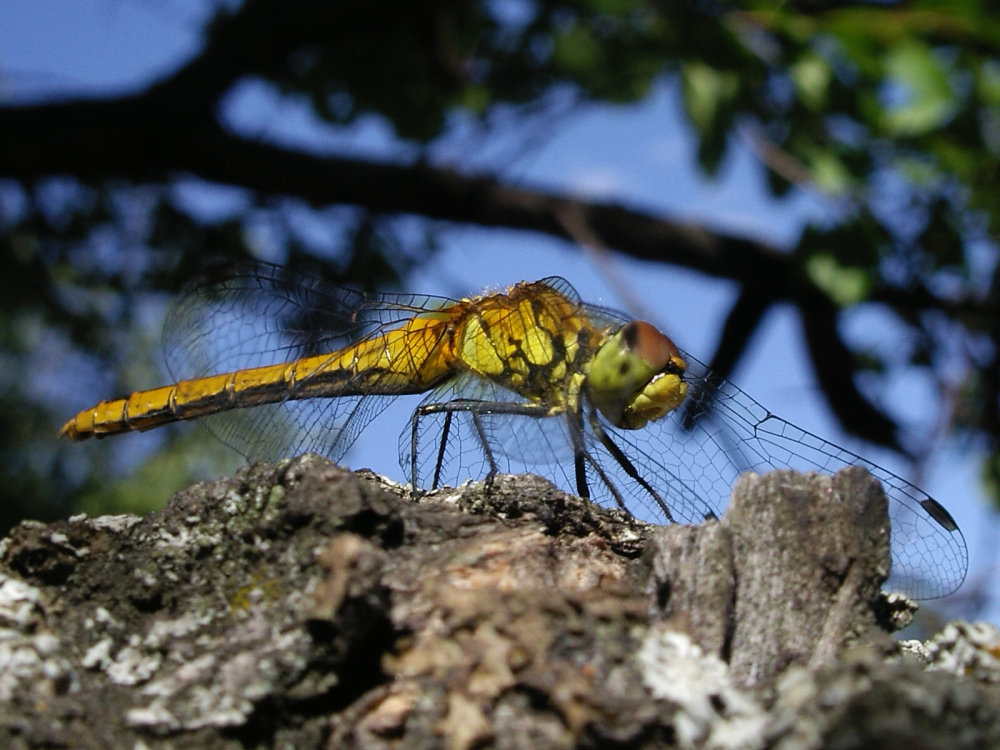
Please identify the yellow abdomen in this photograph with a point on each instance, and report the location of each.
(409, 359)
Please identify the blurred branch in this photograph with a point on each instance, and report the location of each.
(834, 365)
(145, 139)
(94, 140)
(173, 130)
(742, 322)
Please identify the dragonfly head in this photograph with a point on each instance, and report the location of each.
(636, 376)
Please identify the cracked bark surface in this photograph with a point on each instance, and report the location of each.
(298, 604)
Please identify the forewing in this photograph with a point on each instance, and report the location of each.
(628, 475)
(720, 432)
(250, 315)
(254, 315)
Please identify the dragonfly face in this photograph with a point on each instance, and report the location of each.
(529, 379)
(637, 376)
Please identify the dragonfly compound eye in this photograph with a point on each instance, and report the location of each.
(636, 376)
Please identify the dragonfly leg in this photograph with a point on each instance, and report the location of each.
(626, 464)
(581, 477)
(475, 409)
(484, 444)
(439, 462)
(414, 427)
(580, 464)
(580, 457)
(580, 460)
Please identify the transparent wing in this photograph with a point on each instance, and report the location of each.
(681, 468)
(457, 444)
(722, 432)
(488, 428)
(252, 315)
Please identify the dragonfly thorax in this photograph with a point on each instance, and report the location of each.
(636, 376)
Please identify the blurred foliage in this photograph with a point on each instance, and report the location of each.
(892, 110)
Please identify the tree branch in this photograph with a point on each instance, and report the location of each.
(150, 138)
(144, 139)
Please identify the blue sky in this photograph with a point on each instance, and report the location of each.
(642, 155)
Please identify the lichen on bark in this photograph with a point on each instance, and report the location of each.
(299, 604)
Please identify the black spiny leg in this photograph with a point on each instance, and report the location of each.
(475, 409)
(440, 457)
(484, 444)
(579, 461)
(626, 464)
(575, 426)
(581, 457)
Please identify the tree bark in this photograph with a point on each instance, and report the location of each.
(299, 604)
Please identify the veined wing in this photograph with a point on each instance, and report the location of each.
(253, 315)
(721, 432)
(694, 455)
(451, 450)
(459, 444)
(267, 315)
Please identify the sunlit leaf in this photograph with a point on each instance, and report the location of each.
(707, 92)
(828, 171)
(845, 285)
(927, 100)
(812, 75)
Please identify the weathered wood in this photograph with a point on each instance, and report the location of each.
(303, 605)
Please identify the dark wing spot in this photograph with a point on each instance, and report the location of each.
(624, 367)
(936, 511)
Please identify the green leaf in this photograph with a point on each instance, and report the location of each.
(577, 51)
(829, 172)
(811, 76)
(928, 101)
(845, 285)
(707, 93)
(988, 82)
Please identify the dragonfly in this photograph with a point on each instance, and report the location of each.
(528, 379)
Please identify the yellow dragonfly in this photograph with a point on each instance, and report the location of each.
(528, 379)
